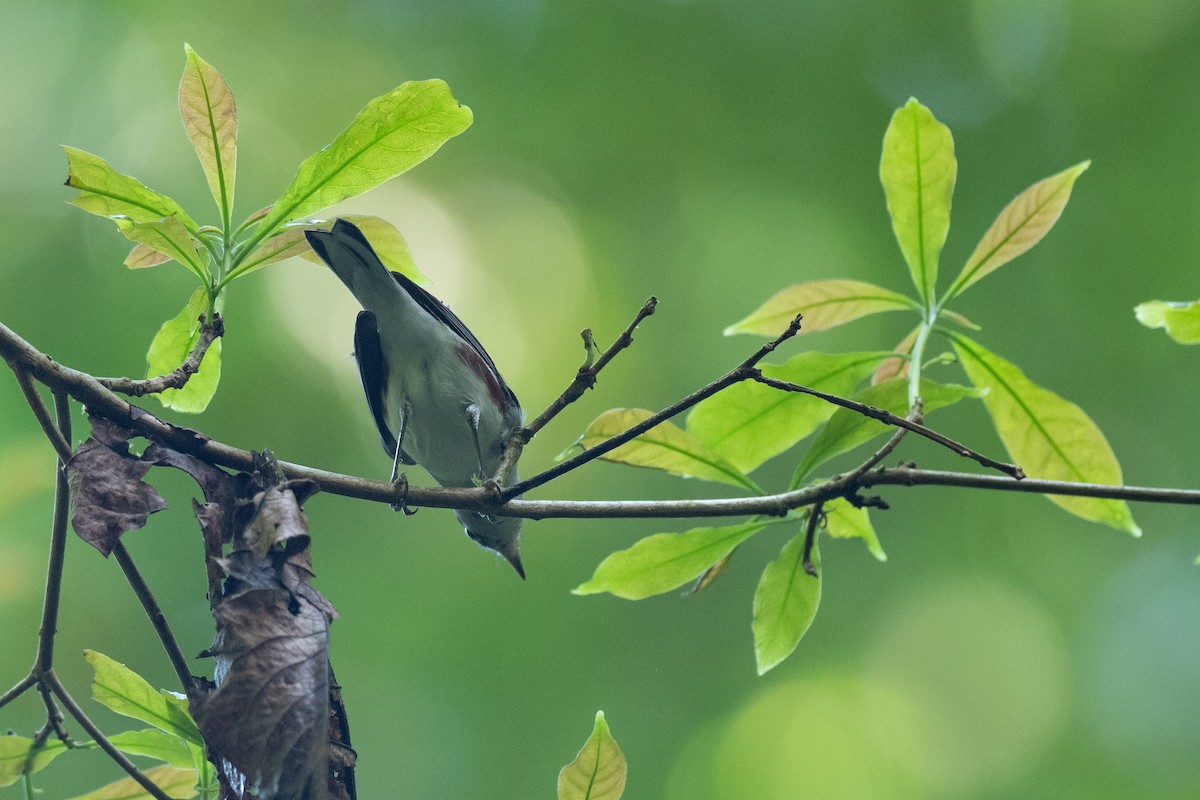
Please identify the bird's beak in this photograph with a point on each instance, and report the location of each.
(513, 556)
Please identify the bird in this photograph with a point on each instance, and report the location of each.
(436, 396)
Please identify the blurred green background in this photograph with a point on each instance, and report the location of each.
(709, 153)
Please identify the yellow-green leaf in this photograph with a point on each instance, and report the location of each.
(171, 345)
(785, 604)
(14, 754)
(1046, 435)
(665, 447)
(1020, 226)
(750, 422)
(918, 170)
(824, 304)
(1181, 321)
(169, 237)
(107, 193)
(124, 691)
(844, 521)
(897, 366)
(598, 772)
(386, 240)
(848, 429)
(142, 256)
(154, 743)
(177, 783)
(210, 119)
(666, 561)
(392, 134)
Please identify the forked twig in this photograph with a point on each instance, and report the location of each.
(741, 372)
(178, 377)
(585, 378)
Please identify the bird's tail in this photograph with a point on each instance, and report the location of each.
(346, 250)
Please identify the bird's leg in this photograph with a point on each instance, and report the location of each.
(399, 478)
(405, 413)
(473, 420)
(482, 477)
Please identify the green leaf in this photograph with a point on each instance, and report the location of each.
(392, 134)
(142, 256)
(1046, 435)
(750, 422)
(918, 170)
(14, 753)
(171, 345)
(844, 521)
(785, 604)
(210, 119)
(178, 783)
(666, 561)
(386, 240)
(1020, 226)
(1180, 320)
(848, 429)
(825, 304)
(107, 193)
(665, 447)
(124, 691)
(154, 743)
(598, 772)
(169, 237)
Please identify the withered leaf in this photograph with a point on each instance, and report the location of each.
(269, 716)
(107, 490)
(222, 491)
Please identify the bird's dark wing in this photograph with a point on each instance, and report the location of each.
(348, 235)
(442, 312)
(368, 352)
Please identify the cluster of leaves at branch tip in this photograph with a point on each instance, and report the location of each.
(729, 435)
(392, 134)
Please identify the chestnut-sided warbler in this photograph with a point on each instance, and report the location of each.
(436, 395)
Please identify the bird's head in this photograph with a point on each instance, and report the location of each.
(495, 533)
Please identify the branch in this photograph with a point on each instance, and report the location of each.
(176, 378)
(98, 736)
(888, 418)
(104, 403)
(585, 378)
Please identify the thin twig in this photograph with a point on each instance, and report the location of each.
(585, 378)
(889, 418)
(58, 543)
(914, 415)
(51, 679)
(810, 536)
(21, 687)
(178, 377)
(61, 444)
(741, 372)
(157, 618)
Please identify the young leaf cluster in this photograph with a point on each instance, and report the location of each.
(392, 134)
(172, 739)
(729, 435)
